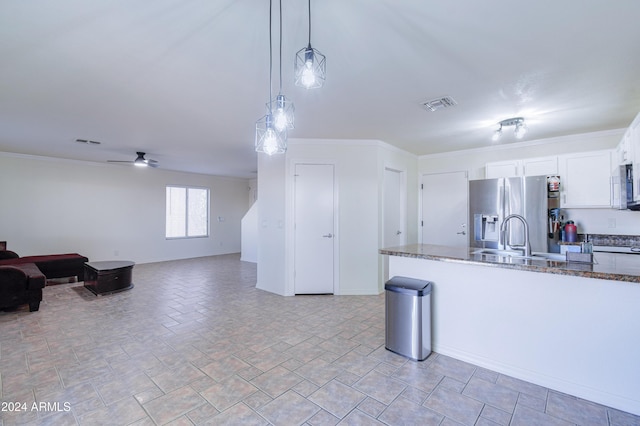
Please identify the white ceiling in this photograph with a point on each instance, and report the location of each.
(185, 80)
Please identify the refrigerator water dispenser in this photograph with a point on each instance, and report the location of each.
(486, 227)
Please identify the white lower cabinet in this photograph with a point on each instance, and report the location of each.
(585, 179)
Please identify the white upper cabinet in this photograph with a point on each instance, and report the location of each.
(539, 166)
(628, 152)
(585, 179)
(623, 150)
(503, 169)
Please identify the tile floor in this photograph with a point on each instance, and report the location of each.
(195, 343)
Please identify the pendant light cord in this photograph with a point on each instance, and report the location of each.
(280, 90)
(309, 23)
(270, 57)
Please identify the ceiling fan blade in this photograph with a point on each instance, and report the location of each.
(119, 161)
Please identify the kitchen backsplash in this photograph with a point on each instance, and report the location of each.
(612, 240)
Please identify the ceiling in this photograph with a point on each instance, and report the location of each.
(186, 80)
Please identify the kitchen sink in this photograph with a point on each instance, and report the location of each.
(550, 256)
(520, 254)
(498, 252)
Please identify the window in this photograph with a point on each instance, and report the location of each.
(187, 212)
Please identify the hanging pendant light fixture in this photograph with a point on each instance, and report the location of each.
(310, 66)
(268, 139)
(282, 107)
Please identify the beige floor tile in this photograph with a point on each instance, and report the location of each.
(289, 408)
(228, 392)
(170, 406)
(404, 412)
(337, 398)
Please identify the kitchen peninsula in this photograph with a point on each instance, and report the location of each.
(573, 327)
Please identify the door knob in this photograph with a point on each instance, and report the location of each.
(461, 233)
(398, 232)
(327, 236)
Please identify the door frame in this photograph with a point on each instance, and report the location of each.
(403, 204)
(383, 263)
(289, 261)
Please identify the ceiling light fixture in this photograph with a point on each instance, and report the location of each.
(520, 128)
(310, 66)
(268, 139)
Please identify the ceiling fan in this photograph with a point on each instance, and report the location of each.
(140, 161)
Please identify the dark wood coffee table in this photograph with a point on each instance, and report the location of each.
(108, 276)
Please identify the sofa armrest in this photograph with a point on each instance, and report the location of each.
(36, 279)
(13, 280)
(8, 254)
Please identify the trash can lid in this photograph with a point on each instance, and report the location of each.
(412, 286)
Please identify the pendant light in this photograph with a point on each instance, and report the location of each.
(310, 66)
(268, 139)
(282, 107)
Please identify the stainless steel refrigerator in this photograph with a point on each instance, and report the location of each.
(492, 200)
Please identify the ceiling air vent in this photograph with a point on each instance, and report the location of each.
(87, 141)
(440, 103)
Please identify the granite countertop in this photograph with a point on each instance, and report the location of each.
(607, 266)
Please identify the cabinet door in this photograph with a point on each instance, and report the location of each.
(624, 149)
(542, 166)
(585, 179)
(499, 169)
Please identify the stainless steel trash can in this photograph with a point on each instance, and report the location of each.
(408, 317)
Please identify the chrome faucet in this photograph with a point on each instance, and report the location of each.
(503, 227)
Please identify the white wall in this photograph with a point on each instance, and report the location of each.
(359, 173)
(594, 221)
(271, 219)
(108, 212)
(249, 235)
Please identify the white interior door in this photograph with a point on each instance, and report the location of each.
(445, 209)
(314, 229)
(393, 199)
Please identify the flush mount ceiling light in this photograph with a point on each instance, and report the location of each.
(520, 128)
(269, 139)
(310, 66)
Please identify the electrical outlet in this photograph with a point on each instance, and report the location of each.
(611, 222)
